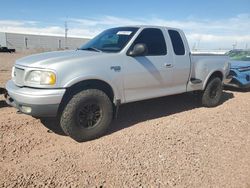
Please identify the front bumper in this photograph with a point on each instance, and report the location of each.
(34, 102)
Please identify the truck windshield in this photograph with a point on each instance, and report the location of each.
(111, 40)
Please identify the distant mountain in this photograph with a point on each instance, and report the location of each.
(238, 54)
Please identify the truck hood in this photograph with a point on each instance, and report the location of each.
(46, 60)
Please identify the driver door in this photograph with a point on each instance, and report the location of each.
(150, 75)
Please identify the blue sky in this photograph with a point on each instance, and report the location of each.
(208, 24)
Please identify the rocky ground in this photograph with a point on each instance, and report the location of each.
(165, 142)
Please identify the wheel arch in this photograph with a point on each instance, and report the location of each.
(212, 75)
(92, 84)
(89, 84)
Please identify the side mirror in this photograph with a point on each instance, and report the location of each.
(139, 49)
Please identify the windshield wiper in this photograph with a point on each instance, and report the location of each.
(92, 49)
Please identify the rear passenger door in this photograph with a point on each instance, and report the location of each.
(150, 75)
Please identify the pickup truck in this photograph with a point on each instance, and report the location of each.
(84, 88)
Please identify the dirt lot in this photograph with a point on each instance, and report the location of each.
(166, 142)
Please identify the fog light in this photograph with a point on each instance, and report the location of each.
(26, 109)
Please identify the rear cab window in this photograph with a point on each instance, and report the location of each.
(177, 42)
(154, 40)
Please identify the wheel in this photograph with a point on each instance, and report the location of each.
(2, 91)
(211, 96)
(87, 115)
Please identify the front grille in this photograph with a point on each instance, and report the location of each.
(18, 76)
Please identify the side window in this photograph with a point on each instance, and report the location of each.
(177, 42)
(154, 40)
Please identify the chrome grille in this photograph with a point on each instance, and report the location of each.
(18, 76)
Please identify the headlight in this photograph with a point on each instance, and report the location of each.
(41, 77)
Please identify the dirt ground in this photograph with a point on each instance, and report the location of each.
(165, 142)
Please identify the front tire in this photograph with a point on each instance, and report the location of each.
(211, 96)
(2, 91)
(87, 115)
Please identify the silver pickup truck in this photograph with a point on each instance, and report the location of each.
(84, 88)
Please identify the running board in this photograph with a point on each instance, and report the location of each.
(195, 81)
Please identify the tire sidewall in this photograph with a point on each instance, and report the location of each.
(206, 99)
(69, 121)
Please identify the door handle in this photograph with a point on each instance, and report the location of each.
(168, 65)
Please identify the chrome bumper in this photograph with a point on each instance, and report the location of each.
(35, 102)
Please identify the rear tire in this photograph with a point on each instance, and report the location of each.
(87, 115)
(211, 96)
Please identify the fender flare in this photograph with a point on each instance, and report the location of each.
(209, 76)
(117, 94)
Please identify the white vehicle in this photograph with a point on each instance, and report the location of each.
(84, 88)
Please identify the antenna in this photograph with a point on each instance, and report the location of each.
(66, 35)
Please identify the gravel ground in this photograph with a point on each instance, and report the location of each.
(165, 142)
